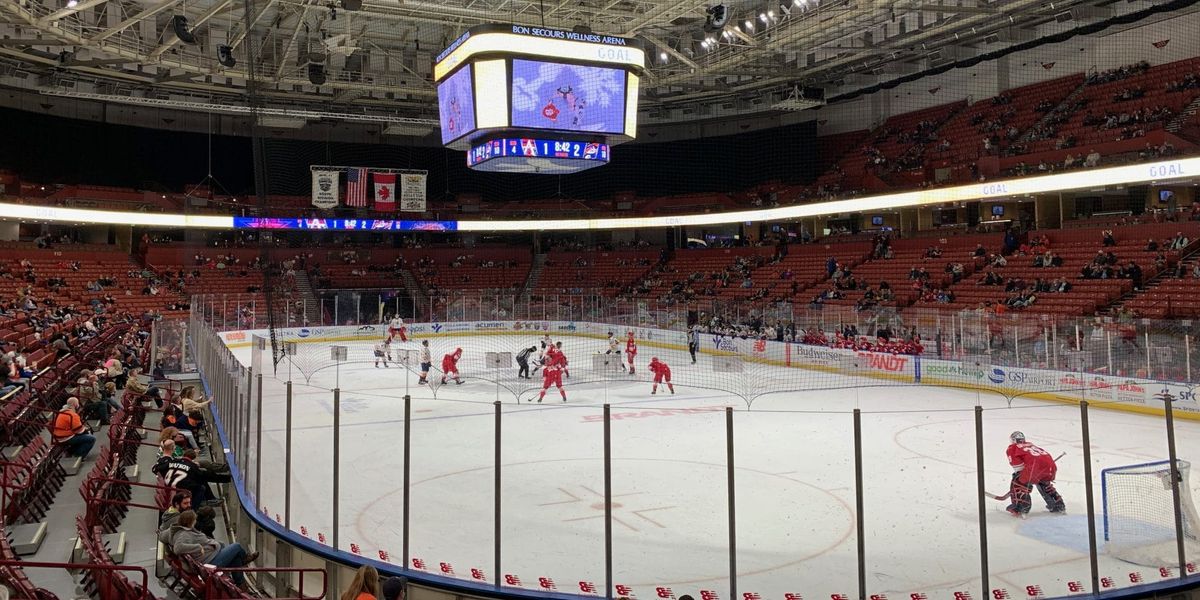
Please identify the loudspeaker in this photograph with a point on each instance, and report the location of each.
(225, 56)
(316, 74)
(352, 5)
(716, 19)
(179, 24)
(354, 65)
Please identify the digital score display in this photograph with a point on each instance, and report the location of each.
(527, 155)
(514, 81)
(456, 105)
(564, 97)
(342, 224)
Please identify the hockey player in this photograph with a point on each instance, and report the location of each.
(450, 366)
(614, 347)
(546, 342)
(396, 328)
(523, 362)
(562, 358)
(552, 374)
(426, 362)
(383, 352)
(693, 340)
(662, 374)
(630, 351)
(1031, 466)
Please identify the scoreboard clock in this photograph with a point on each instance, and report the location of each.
(548, 86)
(531, 155)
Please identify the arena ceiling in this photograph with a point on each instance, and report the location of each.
(378, 58)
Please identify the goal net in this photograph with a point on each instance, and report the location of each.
(1139, 513)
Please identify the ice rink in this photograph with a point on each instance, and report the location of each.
(795, 492)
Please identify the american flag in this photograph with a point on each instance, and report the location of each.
(356, 187)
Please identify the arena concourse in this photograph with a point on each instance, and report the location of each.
(507, 300)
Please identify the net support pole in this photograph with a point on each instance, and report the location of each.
(406, 476)
(1149, 367)
(287, 460)
(729, 466)
(337, 430)
(860, 525)
(496, 498)
(1108, 349)
(1017, 345)
(257, 423)
(608, 545)
(1085, 429)
(1176, 504)
(1187, 355)
(982, 495)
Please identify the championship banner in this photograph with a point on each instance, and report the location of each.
(385, 191)
(325, 189)
(412, 192)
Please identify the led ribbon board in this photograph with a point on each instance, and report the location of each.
(526, 155)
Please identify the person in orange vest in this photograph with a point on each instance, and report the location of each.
(69, 431)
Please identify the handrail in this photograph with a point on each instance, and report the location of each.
(211, 582)
(91, 496)
(81, 567)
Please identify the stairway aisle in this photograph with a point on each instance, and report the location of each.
(312, 306)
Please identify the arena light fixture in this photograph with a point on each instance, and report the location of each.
(1158, 172)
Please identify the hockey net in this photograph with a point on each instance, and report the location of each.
(1139, 513)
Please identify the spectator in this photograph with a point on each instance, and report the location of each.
(69, 431)
(1107, 238)
(365, 585)
(181, 502)
(392, 588)
(184, 540)
(1179, 242)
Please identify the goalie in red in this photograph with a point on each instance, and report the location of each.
(1031, 466)
(630, 351)
(662, 373)
(450, 366)
(552, 372)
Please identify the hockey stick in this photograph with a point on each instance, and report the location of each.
(1009, 492)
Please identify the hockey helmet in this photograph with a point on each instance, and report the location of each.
(1016, 437)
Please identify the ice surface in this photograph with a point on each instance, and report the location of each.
(794, 473)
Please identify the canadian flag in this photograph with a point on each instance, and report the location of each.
(385, 191)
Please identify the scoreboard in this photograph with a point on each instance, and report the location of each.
(523, 155)
(571, 95)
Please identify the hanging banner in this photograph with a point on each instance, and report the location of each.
(412, 192)
(385, 191)
(325, 189)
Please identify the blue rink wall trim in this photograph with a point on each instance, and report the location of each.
(451, 584)
(456, 585)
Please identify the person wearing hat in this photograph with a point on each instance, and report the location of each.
(393, 588)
